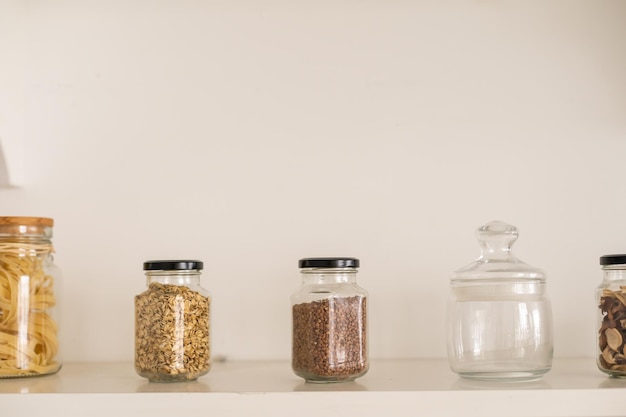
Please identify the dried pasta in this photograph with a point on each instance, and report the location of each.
(28, 334)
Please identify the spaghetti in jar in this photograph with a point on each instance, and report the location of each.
(29, 280)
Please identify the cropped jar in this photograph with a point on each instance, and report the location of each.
(499, 320)
(329, 317)
(172, 318)
(611, 316)
(29, 290)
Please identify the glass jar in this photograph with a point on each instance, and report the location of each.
(611, 313)
(499, 319)
(329, 317)
(172, 338)
(29, 290)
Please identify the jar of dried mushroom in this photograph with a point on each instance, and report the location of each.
(29, 286)
(611, 301)
(499, 319)
(172, 323)
(329, 318)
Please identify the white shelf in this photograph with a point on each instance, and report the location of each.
(574, 387)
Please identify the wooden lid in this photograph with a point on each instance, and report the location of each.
(27, 221)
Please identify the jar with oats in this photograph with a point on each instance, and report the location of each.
(172, 340)
(611, 316)
(29, 290)
(329, 318)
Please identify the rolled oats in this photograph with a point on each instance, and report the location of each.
(171, 333)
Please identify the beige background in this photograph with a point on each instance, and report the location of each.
(249, 134)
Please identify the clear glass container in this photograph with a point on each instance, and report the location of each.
(29, 290)
(172, 323)
(611, 316)
(499, 318)
(329, 317)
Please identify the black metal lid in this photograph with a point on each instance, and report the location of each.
(176, 265)
(328, 263)
(612, 259)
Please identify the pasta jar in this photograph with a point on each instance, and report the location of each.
(172, 322)
(29, 287)
(611, 316)
(499, 320)
(329, 318)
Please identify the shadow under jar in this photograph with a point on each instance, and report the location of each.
(329, 317)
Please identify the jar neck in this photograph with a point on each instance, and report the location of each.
(26, 246)
(328, 275)
(185, 277)
(614, 272)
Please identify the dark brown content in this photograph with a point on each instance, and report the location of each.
(612, 333)
(330, 339)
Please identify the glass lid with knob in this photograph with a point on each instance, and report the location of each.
(496, 259)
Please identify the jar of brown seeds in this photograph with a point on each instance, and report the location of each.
(172, 323)
(611, 313)
(329, 314)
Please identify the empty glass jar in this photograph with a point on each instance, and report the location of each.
(499, 319)
(329, 313)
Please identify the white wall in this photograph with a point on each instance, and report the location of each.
(250, 134)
